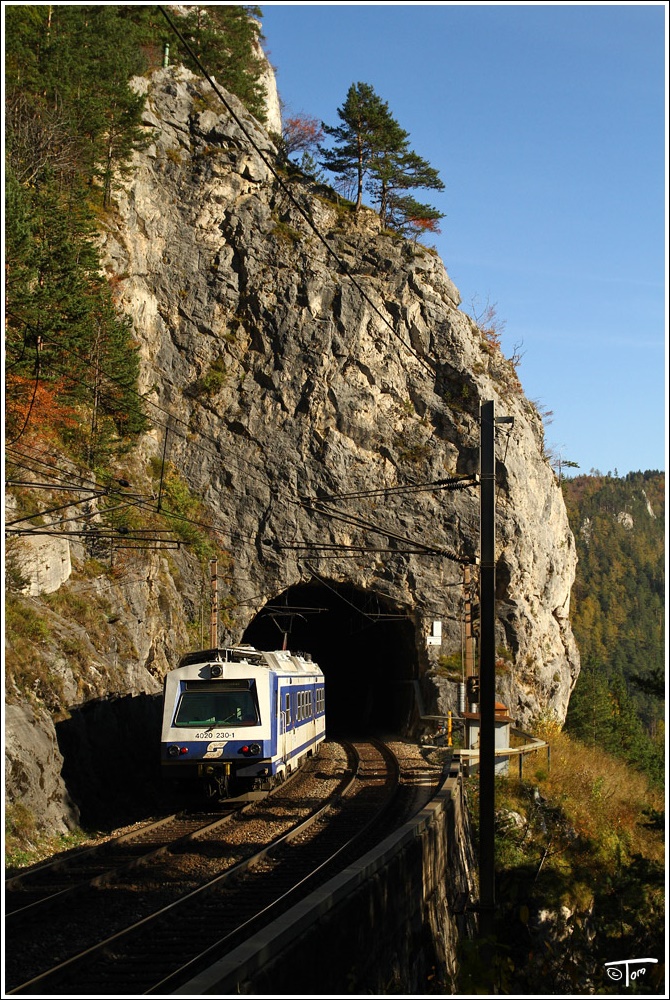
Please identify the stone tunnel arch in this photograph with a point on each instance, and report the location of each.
(365, 644)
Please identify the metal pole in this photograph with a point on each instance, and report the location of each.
(487, 585)
(214, 621)
(469, 658)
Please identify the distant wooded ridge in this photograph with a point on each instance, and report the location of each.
(618, 614)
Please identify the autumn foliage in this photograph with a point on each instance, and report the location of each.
(301, 134)
(38, 404)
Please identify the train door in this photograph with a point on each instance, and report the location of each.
(292, 726)
(285, 724)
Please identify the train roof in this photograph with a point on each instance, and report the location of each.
(226, 654)
(248, 654)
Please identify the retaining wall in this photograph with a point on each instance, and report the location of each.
(390, 923)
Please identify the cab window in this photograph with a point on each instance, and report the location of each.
(216, 708)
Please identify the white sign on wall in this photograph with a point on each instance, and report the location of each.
(435, 637)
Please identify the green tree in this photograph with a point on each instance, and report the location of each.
(617, 614)
(367, 129)
(394, 172)
(72, 122)
(413, 218)
(62, 329)
(371, 148)
(226, 40)
(67, 77)
(590, 714)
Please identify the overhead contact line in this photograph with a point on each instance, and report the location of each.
(453, 483)
(343, 549)
(168, 425)
(449, 484)
(360, 522)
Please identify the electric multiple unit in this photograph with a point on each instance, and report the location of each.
(238, 719)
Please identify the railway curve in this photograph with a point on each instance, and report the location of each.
(275, 861)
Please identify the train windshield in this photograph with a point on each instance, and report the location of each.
(216, 706)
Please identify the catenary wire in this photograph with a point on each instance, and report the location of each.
(455, 483)
(344, 266)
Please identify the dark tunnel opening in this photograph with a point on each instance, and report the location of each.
(364, 644)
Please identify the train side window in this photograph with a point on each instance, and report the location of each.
(287, 708)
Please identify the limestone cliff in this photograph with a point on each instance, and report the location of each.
(286, 361)
(284, 380)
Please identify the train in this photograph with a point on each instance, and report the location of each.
(239, 719)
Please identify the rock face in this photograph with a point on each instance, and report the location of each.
(293, 350)
(300, 352)
(33, 764)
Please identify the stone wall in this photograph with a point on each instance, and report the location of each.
(391, 923)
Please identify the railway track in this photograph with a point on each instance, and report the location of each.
(203, 919)
(28, 894)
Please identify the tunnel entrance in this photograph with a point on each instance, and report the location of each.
(364, 645)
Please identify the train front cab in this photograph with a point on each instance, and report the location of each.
(213, 726)
(238, 726)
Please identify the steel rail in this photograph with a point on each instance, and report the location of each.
(267, 913)
(107, 873)
(41, 983)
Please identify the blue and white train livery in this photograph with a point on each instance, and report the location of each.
(239, 719)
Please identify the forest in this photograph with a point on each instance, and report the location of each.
(72, 124)
(618, 615)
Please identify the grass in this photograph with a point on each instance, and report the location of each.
(26, 845)
(214, 378)
(286, 233)
(606, 801)
(579, 870)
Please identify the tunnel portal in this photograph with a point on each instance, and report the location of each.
(364, 644)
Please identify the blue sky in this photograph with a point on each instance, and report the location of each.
(547, 126)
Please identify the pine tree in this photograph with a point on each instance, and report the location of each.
(617, 612)
(371, 148)
(590, 715)
(367, 129)
(62, 329)
(73, 108)
(72, 122)
(394, 172)
(226, 39)
(411, 217)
